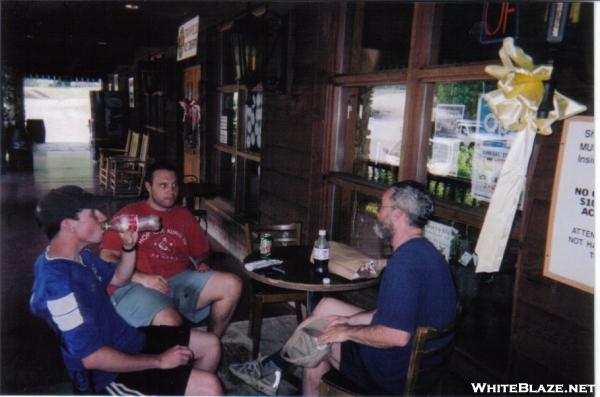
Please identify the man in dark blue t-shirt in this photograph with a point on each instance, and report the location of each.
(102, 353)
(373, 347)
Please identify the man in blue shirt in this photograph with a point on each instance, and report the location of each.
(373, 348)
(101, 351)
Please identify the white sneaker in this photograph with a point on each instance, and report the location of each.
(264, 377)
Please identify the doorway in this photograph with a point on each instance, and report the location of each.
(60, 108)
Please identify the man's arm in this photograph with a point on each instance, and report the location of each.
(158, 283)
(126, 264)
(378, 335)
(111, 360)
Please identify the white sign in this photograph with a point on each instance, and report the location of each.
(570, 239)
(440, 236)
(187, 39)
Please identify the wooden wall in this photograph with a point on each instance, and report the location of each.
(293, 159)
(553, 324)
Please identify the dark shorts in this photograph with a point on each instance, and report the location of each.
(156, 381)
(352, 366)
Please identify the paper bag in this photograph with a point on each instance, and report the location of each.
(350, 263)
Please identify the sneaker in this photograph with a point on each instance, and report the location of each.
(263, 376)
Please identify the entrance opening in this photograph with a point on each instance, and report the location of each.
(64, 107)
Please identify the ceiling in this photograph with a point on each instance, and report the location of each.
(91, 38)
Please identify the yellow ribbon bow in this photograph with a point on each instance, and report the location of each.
(520, 91)
(515, 104)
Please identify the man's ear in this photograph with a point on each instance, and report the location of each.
(67, 224)
(147, 185)
(398, 215)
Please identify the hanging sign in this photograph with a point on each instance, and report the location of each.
(187, 39)
(570, 241)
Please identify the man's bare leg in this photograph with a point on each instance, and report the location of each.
(222, 292)
(168, 316)
(206, 348)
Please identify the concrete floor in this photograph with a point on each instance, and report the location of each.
(31, 362)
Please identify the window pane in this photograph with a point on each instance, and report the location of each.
(364, 218)
(229, 119)
(378, 134)
(386, 36)
(474, 31)
(467, 147)
(253, 123)
(226, 172)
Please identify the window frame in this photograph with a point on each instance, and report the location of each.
(419, 77)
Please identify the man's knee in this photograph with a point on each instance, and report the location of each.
(207, 341)
(229, 284)
(326, 306)
(203, 383)
(169, 317)
(232, 284)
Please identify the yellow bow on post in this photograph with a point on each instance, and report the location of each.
(515, 104)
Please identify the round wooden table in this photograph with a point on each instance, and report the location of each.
(298, 273)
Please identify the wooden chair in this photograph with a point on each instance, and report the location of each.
(130, 150)
(426, 367)
(106, 153)
(126, 173)
(283, 235)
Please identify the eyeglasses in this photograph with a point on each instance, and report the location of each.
(380, 206)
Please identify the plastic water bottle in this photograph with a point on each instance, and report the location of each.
(321, 253)
(148, 223)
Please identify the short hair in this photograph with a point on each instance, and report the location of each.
(158, 166)
(413, 198)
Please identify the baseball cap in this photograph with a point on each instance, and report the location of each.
(65, 202)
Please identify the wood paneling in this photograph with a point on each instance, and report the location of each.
(293, 126)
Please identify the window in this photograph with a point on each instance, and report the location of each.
(237, 149)
(238, 136)
(378, 132)
(370, 133)
(467, 147)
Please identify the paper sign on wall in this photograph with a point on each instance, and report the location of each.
(570, 240)
(187, 39)
(440, 236)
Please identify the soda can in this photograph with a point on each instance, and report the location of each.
(266, 241)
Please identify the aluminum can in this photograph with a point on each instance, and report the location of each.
(266, 241)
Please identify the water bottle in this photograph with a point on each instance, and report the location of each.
(321, 253)
(122, 223)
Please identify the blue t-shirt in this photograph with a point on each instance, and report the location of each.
(416, 290)
(72, 298)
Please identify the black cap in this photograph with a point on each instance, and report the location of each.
(64, 203)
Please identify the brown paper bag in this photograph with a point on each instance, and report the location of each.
(350, 263)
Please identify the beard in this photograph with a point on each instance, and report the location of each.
(383, 230)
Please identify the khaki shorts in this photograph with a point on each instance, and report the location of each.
(138, 305)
